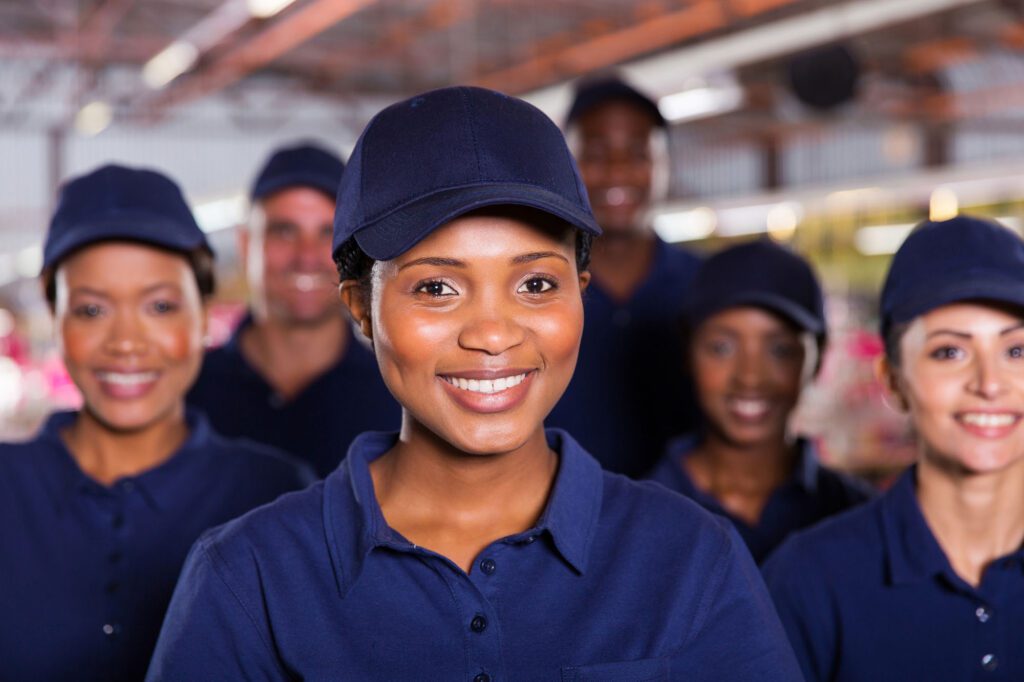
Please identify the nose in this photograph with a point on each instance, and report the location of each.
(312, 253)
(986, 380)
(749, 368)
(491, 331)
(126, 335)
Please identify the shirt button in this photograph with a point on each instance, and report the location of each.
(983, 614)
(110, 629)
(488, 566)
(482, 677)
(989, 662)
(478, 624)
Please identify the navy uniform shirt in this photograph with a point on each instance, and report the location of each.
(629, 394)
(618, 580)
(86, 570)
(812, 493)
(317, 425)
(870, 595)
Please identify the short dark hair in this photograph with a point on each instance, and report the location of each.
(200, 260)
(353, 263)
(891, 342)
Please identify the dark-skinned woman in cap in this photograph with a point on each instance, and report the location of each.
(471, 545)
(97, 513)
(755, 332)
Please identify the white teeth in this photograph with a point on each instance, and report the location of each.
(749, 408)
(988, 420)
(122, 379)
(486, 386)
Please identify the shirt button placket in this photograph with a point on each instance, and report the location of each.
(989, 662)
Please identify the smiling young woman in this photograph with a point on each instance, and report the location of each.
(927, 581)
(755, 328)
(472, 545)
(97, 513)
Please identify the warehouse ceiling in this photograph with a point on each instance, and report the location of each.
(151, 62)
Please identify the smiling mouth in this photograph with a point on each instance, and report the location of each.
(989, 420)
(127, 378)
(486, 386)
(748, 408)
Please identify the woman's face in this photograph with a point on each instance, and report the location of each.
(477, 329)
(748, 367)
(961, 377)
(130, 324)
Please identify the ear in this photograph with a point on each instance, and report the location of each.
(354, 298)
(242, 236)
(886, 375)
(584, 281)
(204, 322)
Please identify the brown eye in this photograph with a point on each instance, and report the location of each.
(435, 288)
(536, 285)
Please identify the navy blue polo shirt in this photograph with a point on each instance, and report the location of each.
(870, 595)
(629, 394)
(317, 425)
(618, 580)
(811, 493)
(87, 570)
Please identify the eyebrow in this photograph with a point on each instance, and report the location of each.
(89, 291)
(433, 260)
(965, 335)
(537, 255)
(455, 263)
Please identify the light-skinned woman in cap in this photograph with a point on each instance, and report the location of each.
(927, 582)
(471, 545)
(97, 513)
(755, 332)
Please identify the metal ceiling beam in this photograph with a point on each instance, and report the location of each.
(662, 31)
(281, 36)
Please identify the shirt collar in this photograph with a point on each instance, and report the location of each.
(156, 484)
(805, 470)
(912, 552)
(355, 525)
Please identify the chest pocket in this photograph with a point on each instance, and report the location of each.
(648, 670)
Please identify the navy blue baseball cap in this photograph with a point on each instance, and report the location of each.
(425, 161)
(595, 92)
(762, 274)
(115, 202)
(304, 165)
(961, 259)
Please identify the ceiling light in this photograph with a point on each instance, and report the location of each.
(221, 214)
(943, 204)
(171, 62)
(685, 226)
(880, 240)
(264, 9)
(93, 118)
(722, 95)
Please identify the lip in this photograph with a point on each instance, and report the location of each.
(140, 382)
(488, 403)
(993, 431)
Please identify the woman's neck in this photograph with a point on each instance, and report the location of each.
(976, 518)
(456, 503)
(741, 478)
(107, 455)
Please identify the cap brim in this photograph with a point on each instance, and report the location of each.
(145, 228)
(989, 288)
(401, 228)
(800, 316)
(264, 189)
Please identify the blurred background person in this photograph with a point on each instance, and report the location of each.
(755, 334)
(629, 394)
(293, 375)
(926, 582)
(98, 511)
